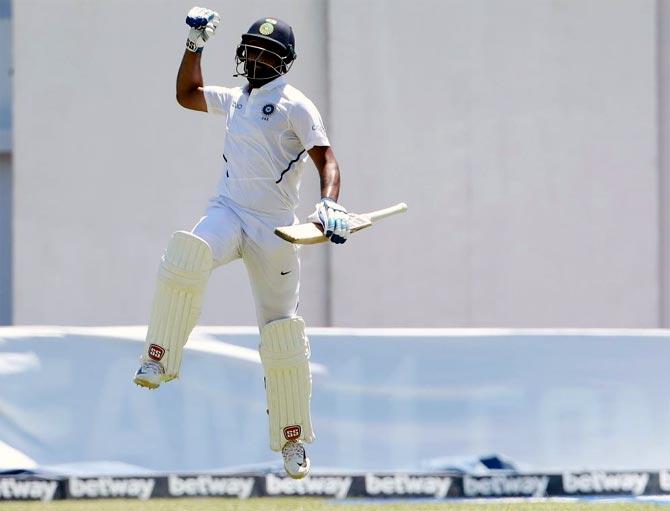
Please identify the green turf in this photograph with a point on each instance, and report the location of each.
(304, 504)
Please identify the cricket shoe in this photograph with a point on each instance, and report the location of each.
(296, 462)
(149, 375)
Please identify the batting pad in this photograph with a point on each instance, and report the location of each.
(182, 277)
(288, 383)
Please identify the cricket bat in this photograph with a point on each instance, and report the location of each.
(312, 232)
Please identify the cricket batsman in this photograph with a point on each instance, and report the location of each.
(271, 129)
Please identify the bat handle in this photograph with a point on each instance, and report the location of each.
(401, 207)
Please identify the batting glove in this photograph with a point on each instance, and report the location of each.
(334, 219)
(203, 23)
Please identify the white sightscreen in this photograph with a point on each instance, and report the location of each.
(382, 399)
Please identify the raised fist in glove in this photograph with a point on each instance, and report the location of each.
(334, 219)
(203, 23)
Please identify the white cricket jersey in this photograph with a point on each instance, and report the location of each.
(268, 134)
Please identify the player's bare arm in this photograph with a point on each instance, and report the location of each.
(329, 171)
(203, 23)
(189, 82)
(329, 213)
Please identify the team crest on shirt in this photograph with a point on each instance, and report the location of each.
(268, 110)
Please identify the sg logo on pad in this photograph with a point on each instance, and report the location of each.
(156, 352)
(292, 432)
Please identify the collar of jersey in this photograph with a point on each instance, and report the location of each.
(280, 80)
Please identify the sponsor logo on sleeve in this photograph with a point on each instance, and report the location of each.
(292, 432)
(156, 352)
(27, 489)
(605, 482)
(210, 486)
(111, 487)
(494, 486)
(399, 485)
(333, 486)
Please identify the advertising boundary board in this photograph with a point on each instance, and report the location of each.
(397, 485)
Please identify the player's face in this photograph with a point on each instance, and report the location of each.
(261, 62)
(261, 56)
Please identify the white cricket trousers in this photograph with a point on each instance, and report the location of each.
(273, 269)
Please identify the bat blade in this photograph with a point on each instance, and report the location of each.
(311, 233)
(304, 234)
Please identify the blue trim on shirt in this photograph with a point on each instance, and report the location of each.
(289, 167)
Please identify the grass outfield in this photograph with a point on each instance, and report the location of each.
(305, 504)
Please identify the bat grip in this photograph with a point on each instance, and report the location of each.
(401, 207)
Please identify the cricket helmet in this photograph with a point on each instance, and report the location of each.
(278, 39)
